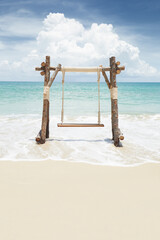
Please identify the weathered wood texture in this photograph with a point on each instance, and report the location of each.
(47, 128)
(114, 102)
(43, 64)
(42, 73)
(46, 101)
(45, 115)
(38, 138)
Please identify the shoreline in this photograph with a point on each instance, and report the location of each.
(66, 200)
(82, 144)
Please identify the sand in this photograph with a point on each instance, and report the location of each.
(62, 200)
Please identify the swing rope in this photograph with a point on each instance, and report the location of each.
(99, 111)
(98, 80)
(62, 111)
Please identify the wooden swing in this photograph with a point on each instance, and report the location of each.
(113, 69)
(62, 124)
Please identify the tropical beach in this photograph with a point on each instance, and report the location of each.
(139, 120)
(79, 120)
(78, 184)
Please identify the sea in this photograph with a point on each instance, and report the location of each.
(139, 119)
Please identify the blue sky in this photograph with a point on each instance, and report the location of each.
(135, 22)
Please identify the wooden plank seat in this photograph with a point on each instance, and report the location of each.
(79, 125)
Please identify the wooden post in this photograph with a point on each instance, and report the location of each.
(45, 68)
(47, 128)
(114, 102)
(44, 133)
(45, 117)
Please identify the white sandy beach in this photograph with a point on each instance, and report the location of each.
(63, 200)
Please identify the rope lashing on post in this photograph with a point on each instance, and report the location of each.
(62, 111)
(114, 93)
(46, 93)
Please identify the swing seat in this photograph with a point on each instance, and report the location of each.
(79, 125)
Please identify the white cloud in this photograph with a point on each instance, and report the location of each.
(68, 42)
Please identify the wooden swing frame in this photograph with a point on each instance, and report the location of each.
(114, 69)
(62, 124)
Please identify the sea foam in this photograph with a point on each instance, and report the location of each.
(88, 145)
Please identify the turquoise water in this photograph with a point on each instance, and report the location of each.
(80, 98)
(139, 120)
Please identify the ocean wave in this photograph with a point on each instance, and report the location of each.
(88, 145)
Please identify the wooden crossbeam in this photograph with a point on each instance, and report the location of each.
(81, 69)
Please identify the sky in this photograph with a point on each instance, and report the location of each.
(80, 33)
